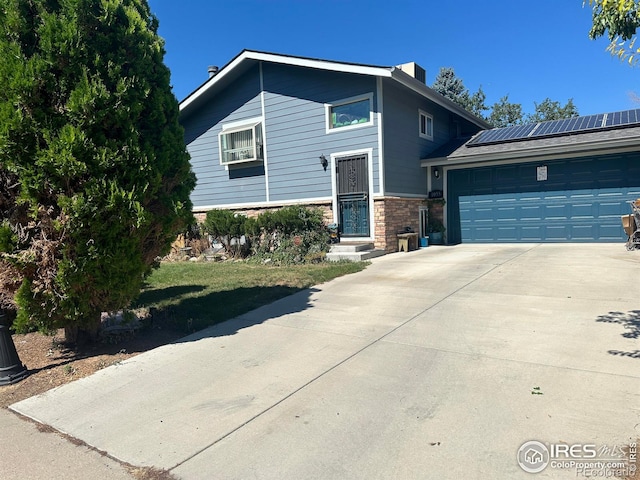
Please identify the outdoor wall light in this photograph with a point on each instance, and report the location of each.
(324, 162)
(436, 172)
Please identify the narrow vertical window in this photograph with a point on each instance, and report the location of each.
(425, 124)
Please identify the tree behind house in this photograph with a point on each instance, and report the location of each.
(503, 113)
(94, 175)
(452, 87)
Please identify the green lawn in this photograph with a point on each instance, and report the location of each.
(190, 296)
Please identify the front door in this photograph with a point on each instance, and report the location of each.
(352, 182)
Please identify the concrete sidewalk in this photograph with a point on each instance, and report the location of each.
(426, 365)
(30, 453)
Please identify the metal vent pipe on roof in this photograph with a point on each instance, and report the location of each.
(213, 69)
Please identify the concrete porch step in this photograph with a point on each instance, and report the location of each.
(351, 247)
(353, 252)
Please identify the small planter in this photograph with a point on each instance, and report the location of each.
(436, 238)
(424, 242)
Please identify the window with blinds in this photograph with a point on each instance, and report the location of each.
(241, 144)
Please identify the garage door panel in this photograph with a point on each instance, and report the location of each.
(583, 233)
(608, 207)
(563, 216)
(555, 211)
(506, 232)
(555, 233)
(583, 211)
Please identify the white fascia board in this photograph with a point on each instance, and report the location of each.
(283, 60)
(223, 72)
(419, 87)
(320, 64)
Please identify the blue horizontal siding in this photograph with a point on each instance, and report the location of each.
(403, 146)
(295, 135)
(295, 123)
(215, 184)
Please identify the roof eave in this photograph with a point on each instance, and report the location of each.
(579, 149)
(252, 55)
(372, 70)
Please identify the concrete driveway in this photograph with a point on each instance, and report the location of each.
(436, 364)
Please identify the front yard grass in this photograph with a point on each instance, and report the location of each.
(190, 296)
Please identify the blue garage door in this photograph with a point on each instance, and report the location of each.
(563, 216)
(578, 200)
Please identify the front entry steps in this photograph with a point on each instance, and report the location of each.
(354, 252)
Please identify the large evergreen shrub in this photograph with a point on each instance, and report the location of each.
(94, 175)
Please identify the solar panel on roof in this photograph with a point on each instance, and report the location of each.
(498, 135)
(629, 117)
(567, 126)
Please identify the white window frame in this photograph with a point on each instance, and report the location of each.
(428, 120)
(345, 101)
(257, 150)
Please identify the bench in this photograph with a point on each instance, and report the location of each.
(405, 241)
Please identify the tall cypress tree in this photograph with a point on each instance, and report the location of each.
(94, 174)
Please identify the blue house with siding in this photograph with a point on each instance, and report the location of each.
(269, 130)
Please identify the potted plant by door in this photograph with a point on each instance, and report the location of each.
(436, 229)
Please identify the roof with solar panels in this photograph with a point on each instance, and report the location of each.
(589, 133)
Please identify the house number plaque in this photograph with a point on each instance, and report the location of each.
(542, 173)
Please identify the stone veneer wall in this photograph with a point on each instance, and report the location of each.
(327, 212)
(392, 215)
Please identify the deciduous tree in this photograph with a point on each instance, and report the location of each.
(94, 174)
(619, 20)
(552, 110)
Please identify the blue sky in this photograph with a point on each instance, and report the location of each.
(528, 50)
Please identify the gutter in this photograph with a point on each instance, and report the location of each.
(560, 151)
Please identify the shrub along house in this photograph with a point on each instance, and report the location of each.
(269, 130)
(559, 181)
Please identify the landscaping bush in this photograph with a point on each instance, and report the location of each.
(292, 234)
(229, 228)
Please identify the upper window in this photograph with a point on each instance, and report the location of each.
(349, 113)
(425, 125)
(241, 144)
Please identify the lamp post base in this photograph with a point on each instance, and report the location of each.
(11, 368)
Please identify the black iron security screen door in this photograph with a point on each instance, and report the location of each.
(352, 181)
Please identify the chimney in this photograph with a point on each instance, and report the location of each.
(213, 69)
(415, 70)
